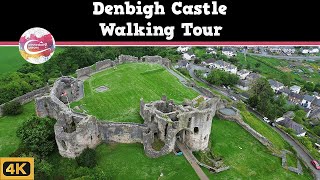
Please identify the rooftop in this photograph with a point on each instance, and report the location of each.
(289, 123)
(275, 84)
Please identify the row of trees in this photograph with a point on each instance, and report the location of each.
(219, 77)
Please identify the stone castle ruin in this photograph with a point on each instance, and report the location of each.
(165, 121)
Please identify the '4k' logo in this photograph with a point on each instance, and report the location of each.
(17, 168)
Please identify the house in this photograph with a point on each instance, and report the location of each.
(275, 85)
(182, 64)
(284, 91)
(243, 73)
(305, 51)
(275, 49)
(208, 62)
(315, 114)
(253, 77)
(315, 104)
(306, 101)
(295, 98)
(183, 49)
(210, 50)
(219, 64)
(243, 85)
(295, 89)
(228, 51)
(188, 56)
(231, 68)
(289, 123)
(314, 51)
(288, 50)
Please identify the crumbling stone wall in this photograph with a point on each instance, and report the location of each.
(73, 131)
(121, 132)
(28, 97)
(100, 65)
(86, 71)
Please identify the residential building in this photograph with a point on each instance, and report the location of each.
(253, 77)
(275, 85)
(315, 104)
(183, 49)
(208, 62)
(289, 123)
(243, 73)
(288, 50)
(295, 89)
(243, 84)
(182, 64)
(284, 91)
(188, 56)
(222, 65)
(228, 51)
(295, 98)
(306, 101)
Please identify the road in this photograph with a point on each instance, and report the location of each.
(303, 155)
(296, 58)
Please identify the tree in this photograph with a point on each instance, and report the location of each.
(12, 108)
(87, 158)
(37, 135)
(309, 86)
(197, 61)
(218, 77)
(317, 87)
(257, 65)
(262, 97)
(316, 130)
(43, 169)
(299, 116)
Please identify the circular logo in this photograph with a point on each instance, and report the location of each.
(36, 45)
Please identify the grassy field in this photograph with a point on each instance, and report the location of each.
(128, 161)
(10, 59)
(127, 84)
(247, 157)
(291, 160)
(8, 127)
(264, 129)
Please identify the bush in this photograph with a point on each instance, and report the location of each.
(37, 135)
(87, 158)
(12, 108)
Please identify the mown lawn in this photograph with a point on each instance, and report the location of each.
(246, 156)
(128, 83)
(8, 126)
(128, 161)
(291, 160)
(10, 59)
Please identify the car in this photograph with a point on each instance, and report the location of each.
(315, 164)
(265, 119)
(233, 98)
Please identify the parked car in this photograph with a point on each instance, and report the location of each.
(265, 119)
(315, 164)
(233, 98)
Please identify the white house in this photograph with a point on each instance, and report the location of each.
(288, 50)
(275, 85)
(305, 51)
(314, 51)
(183, 49)
(228, 52)
(225, 66)
(243, 73)
(188, 56)
(295, 89)
(307, 100)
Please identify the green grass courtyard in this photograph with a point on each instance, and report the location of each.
(126, 85)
